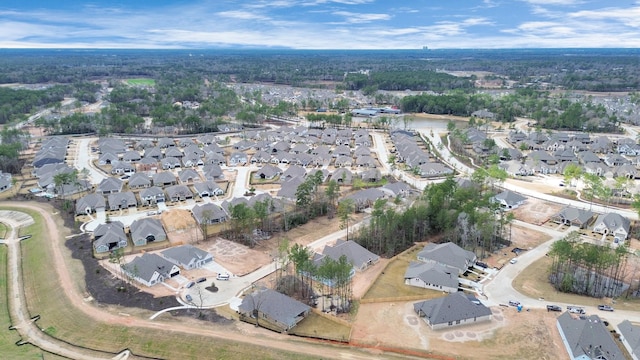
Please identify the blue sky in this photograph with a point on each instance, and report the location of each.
(320, 24)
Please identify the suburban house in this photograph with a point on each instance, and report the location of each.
(630, 337)
(90, 203)
(109, 237)
(151, 195)
(280, 311)
(359, 257)
(187, 257)
(432, 276)
(452, 310)
(212, 172)
(122, 200)
(179, 193)
(164, 178)
(207, 189)
(5, 181)
(431, 169)
(139, 181)
(150, 269)
(267, 172)
(147, 230)
(448, 254)
(342, 176)
(121, 167)
(209, 214)
(587, 338)
(612, 224)
(238, 158)
(289, 188)
(109, 185)
(574, 217)
(508, 199)
(365, 198)
(188, 176)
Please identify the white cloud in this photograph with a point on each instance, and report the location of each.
(359, 18)
(555, 2)
(242, 15)
(627, 16)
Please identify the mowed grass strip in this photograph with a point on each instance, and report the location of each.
(390, 284)
(141, 82)
(65, 322)
(8, 338)
(318, 326)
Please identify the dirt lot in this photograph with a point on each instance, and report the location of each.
(536, 211)
(509, 335)
(237, 258)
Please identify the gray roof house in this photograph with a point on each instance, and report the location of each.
(431, 169)
(238, 158)
(90, 203)
(109, 237)
(164, 178)
(574, 216)
(5, 181)
(432, 276)
(289, 188)
(630, 337)
(357, 255)
(292, 172)
(448, 254)
(209, 214)
(109, 186)
(587, 338)
(131, 156)
(508, 199)
(212, 172)
(188, 176)
(342, 176)
(208, 188)
(452, 310)
(151, 195)
(267, 172)
(122, 200)
(187, 256)
(150, 269)
(613, 224)
(281, 311)
(146, 230)
(170, 163)
(178, 193)
(139, 181)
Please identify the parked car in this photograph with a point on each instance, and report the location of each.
(482, 265)
(553, 308)
(190, 284)
(514, 303)
(201, 280)
(605, 308)
(189, 298)
(575, 310)
(513, 261)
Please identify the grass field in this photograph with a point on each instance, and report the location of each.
(8, 338)
(4, 231)
(141, 82)
(390, 284)
(71, 325)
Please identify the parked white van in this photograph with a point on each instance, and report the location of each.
(223, 277)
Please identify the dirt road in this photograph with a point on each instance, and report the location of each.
(279, 342)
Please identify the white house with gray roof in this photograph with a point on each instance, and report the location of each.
(356, 255)
(209, 214)
(147, 230)
(150, 269)
(452, 310)
(109, 186)
(612, 224)
(573, 216)
(508, 199)
(207, 189)
(187, 257)
(630, 337)
(448, 254)
(90, 203)
(109, 237)
(587, 338)
(122, 200)
(281, 311)
(432, 276)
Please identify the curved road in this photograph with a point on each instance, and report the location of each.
(284, 343)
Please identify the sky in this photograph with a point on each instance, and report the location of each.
(320, 24)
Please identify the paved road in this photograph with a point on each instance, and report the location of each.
(83, 160)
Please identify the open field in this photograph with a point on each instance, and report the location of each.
(316, 325)
(141, 82)
(66, 322)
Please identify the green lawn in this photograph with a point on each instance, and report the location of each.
(141, 82)
(8, 338)
(4, 231)
(390, 284)
(71, 325)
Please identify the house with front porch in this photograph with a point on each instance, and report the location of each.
(452, 310)
(187, 257)
(147, 230)
(150, 269)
